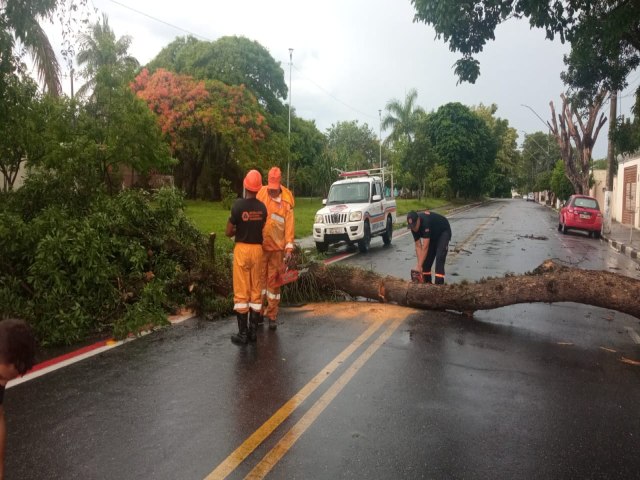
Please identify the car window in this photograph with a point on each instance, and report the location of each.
(586, 203)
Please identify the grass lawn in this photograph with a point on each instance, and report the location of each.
(212, 217)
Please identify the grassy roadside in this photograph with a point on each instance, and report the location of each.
(212, 216)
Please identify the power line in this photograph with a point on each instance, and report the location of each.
(160, 21)
(334, 97)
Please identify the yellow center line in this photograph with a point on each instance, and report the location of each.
(476, 232)
(282, 447)
(229, 464)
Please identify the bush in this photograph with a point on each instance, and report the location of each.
(113, 264)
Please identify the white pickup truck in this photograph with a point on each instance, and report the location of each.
(356, 210)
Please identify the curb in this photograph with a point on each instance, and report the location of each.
(620, 247)
(623, 248)
(87, 351)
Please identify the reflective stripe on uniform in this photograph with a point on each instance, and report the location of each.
(273, 296)
(257, 307)
(239, 306)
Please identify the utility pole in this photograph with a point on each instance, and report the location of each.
(289, 156)
(613, 115)
(71, 83)
(380, 135)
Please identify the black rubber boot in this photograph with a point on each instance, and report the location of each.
(241, 338)
(273, 324)
(253, 325)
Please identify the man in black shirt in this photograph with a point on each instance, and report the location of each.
(431, 233)
(17, 352)
(247, 219)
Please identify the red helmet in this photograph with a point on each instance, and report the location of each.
(253, 181)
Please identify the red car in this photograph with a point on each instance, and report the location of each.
(581, 212)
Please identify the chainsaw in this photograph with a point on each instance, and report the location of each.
(416, 276)
(289, 275)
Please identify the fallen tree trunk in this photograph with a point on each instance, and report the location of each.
(549, 283)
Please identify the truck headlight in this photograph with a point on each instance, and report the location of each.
(319, 219)
(355, 216)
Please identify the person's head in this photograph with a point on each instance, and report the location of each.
(252, 182)
(17, 349)
(413, 221)
(274, 183)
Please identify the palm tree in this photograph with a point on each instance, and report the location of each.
(21, 19)
(103, 56)
(402, 119)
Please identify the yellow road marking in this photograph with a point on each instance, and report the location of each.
(476, 232)
(283, 446)
(229, 464)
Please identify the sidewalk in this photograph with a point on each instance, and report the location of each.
(624, 240)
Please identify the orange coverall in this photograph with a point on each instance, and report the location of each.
(278, 235)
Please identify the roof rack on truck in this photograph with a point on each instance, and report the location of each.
(371, 172)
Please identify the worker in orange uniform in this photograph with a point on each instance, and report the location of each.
(277, 243)
(247, 219)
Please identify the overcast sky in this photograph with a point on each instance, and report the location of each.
(350, 57)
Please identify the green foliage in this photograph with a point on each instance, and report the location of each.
(540, 153)
(215, 130)
(403, 118)
(463, 143)
(626, 134)
(113, 264)
(232, 60)
(19, 20)
(104, 60)
(560, 184)
(144, 314)
(227, 193)
(352, 146)
(19, 105)
(438, 183)
(508, 159)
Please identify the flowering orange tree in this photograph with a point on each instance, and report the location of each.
(215, 130)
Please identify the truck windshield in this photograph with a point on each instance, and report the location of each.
(349, 193)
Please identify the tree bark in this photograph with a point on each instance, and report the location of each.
(549, 283)
(577, 157)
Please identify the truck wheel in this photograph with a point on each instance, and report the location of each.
(363, 245)
(322, 247)
(388, 232)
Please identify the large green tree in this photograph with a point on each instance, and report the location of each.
(418, 160)
(353, 146)
(504, 174)
(601, 31)
(214, 130)
(307, 150)
(232, 60)
(467, 147)
(540, 152)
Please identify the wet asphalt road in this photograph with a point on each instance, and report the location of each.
(361, 390)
